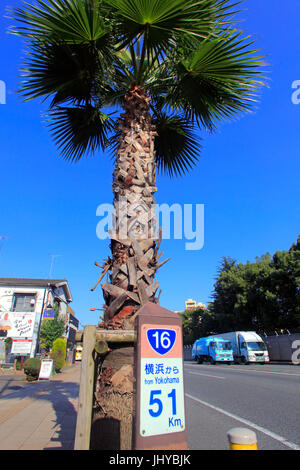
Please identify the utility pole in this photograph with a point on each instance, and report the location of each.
(51, 265)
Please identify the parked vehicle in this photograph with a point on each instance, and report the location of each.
(212, 349)
(78, 352)
(247, 347)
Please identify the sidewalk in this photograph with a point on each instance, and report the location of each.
(41, 415)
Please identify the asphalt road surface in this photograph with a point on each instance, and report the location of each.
(264, 398)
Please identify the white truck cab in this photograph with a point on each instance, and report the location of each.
(247, 346)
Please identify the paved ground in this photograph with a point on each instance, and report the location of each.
(42, 415)
(39, 415)
(264, 398)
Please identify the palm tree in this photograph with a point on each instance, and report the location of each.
(171, 67)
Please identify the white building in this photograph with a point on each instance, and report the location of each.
(22, 305)
(190, 304)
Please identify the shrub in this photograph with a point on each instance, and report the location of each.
(32, 368)
(58, 353)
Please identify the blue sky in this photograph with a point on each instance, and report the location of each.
(247, 179)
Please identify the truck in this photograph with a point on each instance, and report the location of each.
(212, 349)
(247, 346)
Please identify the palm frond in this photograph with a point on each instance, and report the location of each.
(177, 148)
(69, 49)
(219, 80)
(159, 22)
(63, 71)
(79, 130)
(77, 21)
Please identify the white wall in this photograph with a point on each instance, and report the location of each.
(6, 304)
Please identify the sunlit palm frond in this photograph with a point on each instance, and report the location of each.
(219, 80)
(177, 148)
(79, 131)
(161, 22)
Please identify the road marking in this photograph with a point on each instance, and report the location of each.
(296, 374)
(266, 372)
(206, 375)
(269, 433)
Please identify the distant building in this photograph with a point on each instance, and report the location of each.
(25, 303)
(72, 325)
(190, 304)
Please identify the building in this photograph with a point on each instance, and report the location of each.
(24, 303)
(71, 328)
(190, 304)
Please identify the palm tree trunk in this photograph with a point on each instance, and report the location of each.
(131, 268)
(134, 245)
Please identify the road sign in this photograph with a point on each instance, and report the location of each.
(160, 388)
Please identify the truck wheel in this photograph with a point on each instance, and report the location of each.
(244, 360)
(212, 362)
(200, 360)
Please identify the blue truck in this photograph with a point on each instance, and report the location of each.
(212, 349)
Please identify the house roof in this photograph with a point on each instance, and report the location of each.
(25, 282)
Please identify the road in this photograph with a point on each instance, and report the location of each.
(264, 398)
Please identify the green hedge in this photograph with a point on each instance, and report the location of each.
(32, 368)
(58, 353)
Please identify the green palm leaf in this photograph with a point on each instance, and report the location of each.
(79, 130)
(86, 54)
(218, 80)
(177, 148)
(161, 22)
(65, 71)
(77, 21)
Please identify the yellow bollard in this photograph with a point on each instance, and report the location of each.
(242, 439)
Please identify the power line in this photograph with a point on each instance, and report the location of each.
(51, 264)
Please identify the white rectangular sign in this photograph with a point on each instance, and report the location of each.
(17, 324)
(21, 347)
(162, 397)
(46, 369)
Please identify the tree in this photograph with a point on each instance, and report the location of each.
(197, 323)
(171, 67)
(263, 296)
(51, 330)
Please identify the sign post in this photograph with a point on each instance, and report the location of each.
(160, 405)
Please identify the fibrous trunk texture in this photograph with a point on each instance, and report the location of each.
(134, 240)
(130, 270)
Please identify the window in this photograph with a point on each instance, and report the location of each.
(256, 346)
(24, 303)
(224, 346)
